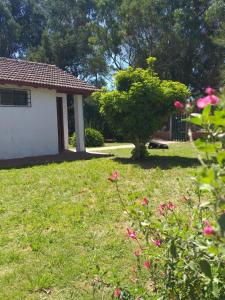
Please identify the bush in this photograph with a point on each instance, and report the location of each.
(93, 138)
(72, 140)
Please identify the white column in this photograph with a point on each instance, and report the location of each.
(65, 122)
(79, 123)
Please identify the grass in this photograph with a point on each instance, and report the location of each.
(62, 225)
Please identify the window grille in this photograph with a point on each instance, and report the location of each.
(11, 97)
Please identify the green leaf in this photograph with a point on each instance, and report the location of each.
(196, 119)
(173, 249)
(221, 157)
(216, 290)
(205, 204)
(205, 267)
(192, 265)
(206, 187)
(145, 223)
(213, 250)
(195, 115)
(206, 147)
(206, 111)
(221, 222)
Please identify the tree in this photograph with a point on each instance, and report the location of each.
(68, 40)
(177, 32)
(216, 15)
(9, 31)
(140, 104)
(32, 20)
(21, 25)
(93, 38)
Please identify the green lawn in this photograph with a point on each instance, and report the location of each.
(61, 223)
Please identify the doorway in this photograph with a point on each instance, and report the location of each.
(59, 104)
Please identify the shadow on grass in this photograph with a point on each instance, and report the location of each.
(162, 162)
(66, 156)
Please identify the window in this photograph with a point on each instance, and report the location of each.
(9, 97)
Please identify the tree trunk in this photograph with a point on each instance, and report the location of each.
(140, 150)
(137, 149)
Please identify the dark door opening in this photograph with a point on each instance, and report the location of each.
(59, 103)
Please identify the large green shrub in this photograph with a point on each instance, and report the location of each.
(93, 138)
(140, 104)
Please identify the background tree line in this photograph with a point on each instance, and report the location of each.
(93, 38)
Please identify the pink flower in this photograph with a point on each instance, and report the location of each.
(178, 104)
(208, 230)
(147, 264)
(131, 234)
(209, 91)
(203, 102)
(115, 176)
(170, 206)
(145, 201)
(214, 100)
(210, 99)
(161, 209)
(117, 293)
(157, 243)
(137, 253)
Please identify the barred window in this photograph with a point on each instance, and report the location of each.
(10, 97)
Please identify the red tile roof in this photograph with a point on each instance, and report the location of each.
(21, 72)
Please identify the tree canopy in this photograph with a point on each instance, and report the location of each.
(94, 38)
(21, 26)
(140, 104)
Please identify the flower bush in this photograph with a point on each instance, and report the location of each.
(182, 255)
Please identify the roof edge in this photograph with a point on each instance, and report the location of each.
(58, 88)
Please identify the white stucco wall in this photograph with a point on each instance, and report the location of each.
(30, 131)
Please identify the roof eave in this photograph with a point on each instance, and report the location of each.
(59, 89)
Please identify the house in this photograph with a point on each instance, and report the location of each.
(33, 108)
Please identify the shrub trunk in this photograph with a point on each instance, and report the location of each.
(140, 150)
